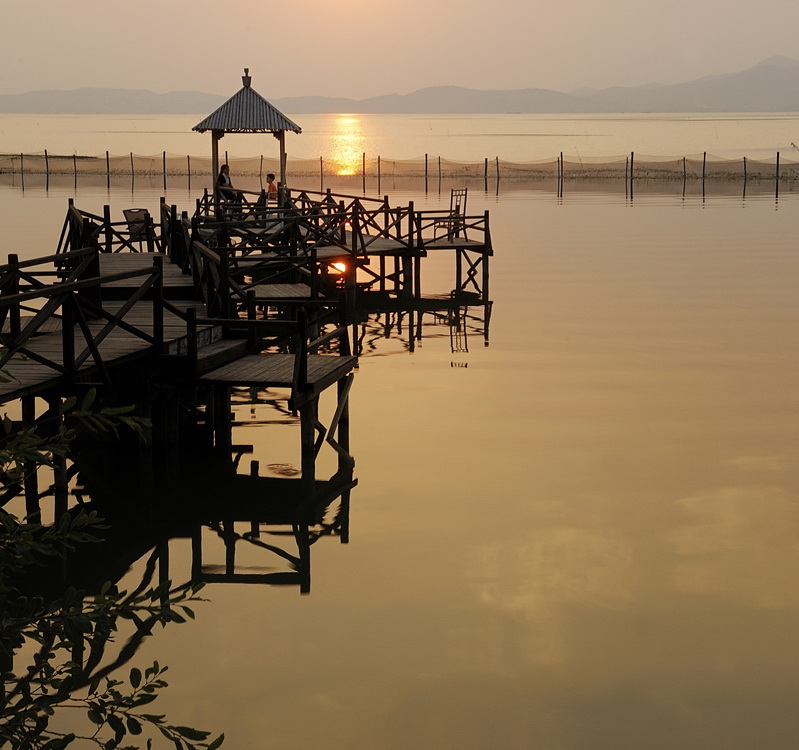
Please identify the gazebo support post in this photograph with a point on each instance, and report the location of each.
(216, 136)
(281, 136)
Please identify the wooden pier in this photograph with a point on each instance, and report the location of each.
(177, 313)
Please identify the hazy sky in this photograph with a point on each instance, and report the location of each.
(360, 48)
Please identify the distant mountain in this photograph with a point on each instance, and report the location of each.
(769, 86)
(446, 99)
(109, 101)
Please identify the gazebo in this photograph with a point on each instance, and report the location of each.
(247, 112)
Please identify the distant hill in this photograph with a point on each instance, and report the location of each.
(448, 99)
(769, 86)
(109, 102)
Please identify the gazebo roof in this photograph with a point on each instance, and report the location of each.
(247, 112)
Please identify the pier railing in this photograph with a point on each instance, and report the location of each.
(71, 307)
(135, 234)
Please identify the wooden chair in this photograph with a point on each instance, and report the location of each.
(139, 226)
(452, 226)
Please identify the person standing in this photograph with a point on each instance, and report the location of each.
(271, 187)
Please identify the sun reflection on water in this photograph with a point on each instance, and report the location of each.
(347, 145)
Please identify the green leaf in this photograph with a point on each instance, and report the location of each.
(88, 400)
(58, 743)
(191, 734)
(67, 404)
(217, 742)
(135, 677)
(154, 718)
(133, 726)
(116, 724)
(95, 716)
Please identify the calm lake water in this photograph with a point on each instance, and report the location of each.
(582, 537)
(460, 137)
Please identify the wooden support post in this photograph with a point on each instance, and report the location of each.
(486, 256)
(378, 174)
(321, 174)
(408, 257)
(107, 229)
(31, 477)
(107, 170)
(15, 322)
(777, 178)
(425, 172)
(342, 435)
(224, 282)
(308, 412)
(158, 303)
(164, 165)
(197, 553)
(75, 168)
(188, 170)
(223, 440)
(255, 528)
(303, 539)
(47, 166)
(363, 171)
(68, 336)
(150, 233)
(22, 169)
(163, 565)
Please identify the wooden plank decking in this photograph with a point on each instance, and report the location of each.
(27, 376)
(272, 370)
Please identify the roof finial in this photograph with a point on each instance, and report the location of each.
(245, 79)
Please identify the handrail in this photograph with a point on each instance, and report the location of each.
(74, 308)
